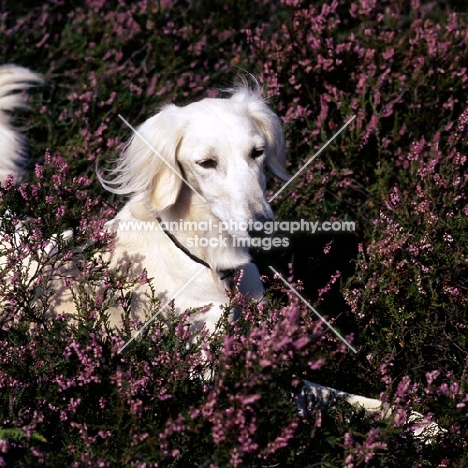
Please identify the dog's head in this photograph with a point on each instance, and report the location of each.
(217, 149)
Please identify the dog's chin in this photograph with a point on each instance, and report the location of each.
(244, 235)
(234, 255)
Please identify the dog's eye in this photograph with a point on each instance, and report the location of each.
(256, 152)
(208, 164)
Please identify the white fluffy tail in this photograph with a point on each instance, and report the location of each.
(13, 80)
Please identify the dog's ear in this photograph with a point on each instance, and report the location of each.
(148, 165)
(165, 134)
(270, 125)
(267, 122)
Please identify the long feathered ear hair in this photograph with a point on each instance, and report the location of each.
(148, 165)
(249, 90)
(13, 80)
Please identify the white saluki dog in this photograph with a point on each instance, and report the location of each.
(201, 167)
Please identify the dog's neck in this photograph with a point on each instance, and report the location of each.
(223, 274)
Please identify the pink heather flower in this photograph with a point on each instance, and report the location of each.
(400, 417)
(236, 458)
(143, 278)
(327, 248)
(4, 444)
(348, 440)
(331, 282)
(248, 400)
(388, 54)
(402, 389)
(39, 171)
(36, 453)
(455, 388)
(443, 389)
(349, 459)
(431, 376)
(447, 238)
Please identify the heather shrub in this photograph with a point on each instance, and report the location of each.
(408, 292)
(70, 398)
(392, 65)
(395, 287)
(413, 272)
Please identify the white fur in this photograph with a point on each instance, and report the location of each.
(13, 79)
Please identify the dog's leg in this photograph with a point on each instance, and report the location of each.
(313, 394)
